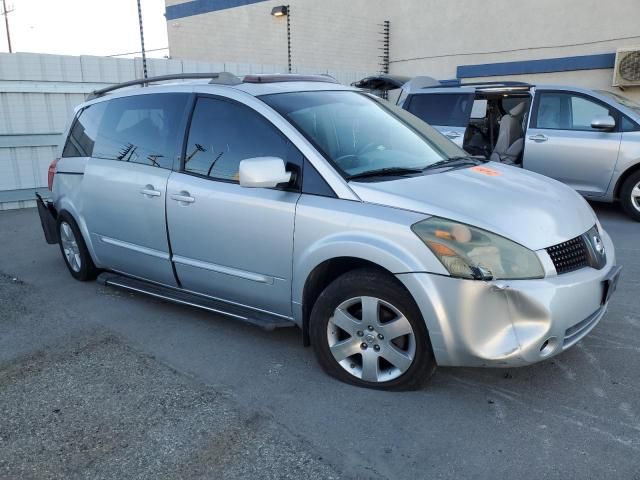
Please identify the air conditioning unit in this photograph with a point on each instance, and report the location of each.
(626, 72)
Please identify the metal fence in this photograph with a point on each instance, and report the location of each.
(38, 93)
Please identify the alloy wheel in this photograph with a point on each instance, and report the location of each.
(371, 339)
(635, 196)
(70, 247)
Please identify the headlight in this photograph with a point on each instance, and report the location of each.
(469, 252)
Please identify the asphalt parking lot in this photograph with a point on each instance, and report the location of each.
(100, 383)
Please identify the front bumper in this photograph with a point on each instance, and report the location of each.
(509, 322)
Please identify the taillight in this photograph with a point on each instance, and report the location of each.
(51, 173)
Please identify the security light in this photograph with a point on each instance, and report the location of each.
(280, 11)
(284, 11)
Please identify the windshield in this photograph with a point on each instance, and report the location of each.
(359, 133)
(622, 100)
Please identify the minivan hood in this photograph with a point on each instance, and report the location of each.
(528, 208)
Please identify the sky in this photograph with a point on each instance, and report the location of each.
(84, 27)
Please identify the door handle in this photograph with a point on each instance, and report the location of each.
(452, 134)
(149, 191)
(539, 138)
(183, 197)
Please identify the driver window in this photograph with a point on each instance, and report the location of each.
(584, 111)
(223, 133)
(564, 111)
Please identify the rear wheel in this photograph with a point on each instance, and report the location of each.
(367, 330)
(630, 196)
(74, 250)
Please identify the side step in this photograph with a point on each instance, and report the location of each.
(260, 319)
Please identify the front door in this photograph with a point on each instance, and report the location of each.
(230, 242)
(125, 181)
(561, 144)
(448, 112)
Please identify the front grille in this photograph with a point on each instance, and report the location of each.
(570, 255)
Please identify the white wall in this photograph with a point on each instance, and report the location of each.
(39, 92)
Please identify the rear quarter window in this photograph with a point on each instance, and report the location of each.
(141, 129)
(442, 109)
(84, 131)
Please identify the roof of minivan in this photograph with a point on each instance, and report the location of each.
(200, 86)
(257, 89)
(255, 84)
(523, 87)
(497, 87)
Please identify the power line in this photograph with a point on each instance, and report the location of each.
(138, 51)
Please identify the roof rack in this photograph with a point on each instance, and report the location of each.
(221, 78)
(498, 84)
(288, 77)
(482, 84)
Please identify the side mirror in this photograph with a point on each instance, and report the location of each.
(263, 172)
(606, 122)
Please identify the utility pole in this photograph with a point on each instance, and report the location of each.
(144, 55)
(6, 13)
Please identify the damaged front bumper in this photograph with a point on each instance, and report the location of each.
(511, 322)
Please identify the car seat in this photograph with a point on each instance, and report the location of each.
(510, 142)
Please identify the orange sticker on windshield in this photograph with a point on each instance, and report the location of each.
(490, 172)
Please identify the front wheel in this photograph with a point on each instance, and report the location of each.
(74, 250)
(630, 196)
(367, 330)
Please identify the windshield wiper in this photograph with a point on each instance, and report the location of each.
(381, 172)
(454, 162)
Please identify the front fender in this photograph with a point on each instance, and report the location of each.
(331, 228)
(376, 250)
(628, 162)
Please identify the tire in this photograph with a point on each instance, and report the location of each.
(74, 250)
(337, 325)
(630, 196)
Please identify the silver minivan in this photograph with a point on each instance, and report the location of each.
(588, 139)
(292, 200)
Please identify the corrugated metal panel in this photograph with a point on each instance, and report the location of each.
(39, 92)
(25, 167)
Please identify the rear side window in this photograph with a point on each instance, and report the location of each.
(223, 133)
(442, 109)
(141, 129)
(84, 132)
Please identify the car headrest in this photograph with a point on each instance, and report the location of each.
(518, 110)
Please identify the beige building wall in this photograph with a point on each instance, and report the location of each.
(428, 37)
(326, 34)
(465, 32)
